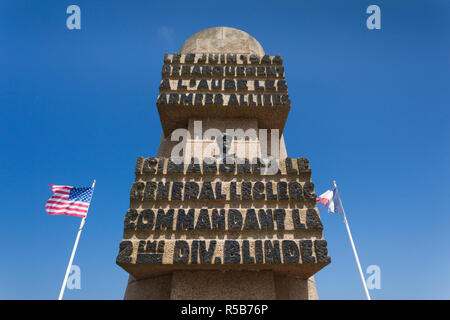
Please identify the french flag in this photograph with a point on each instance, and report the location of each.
(332, 199)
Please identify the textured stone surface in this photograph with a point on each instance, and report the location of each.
(213, 285)
(153, 288)
(222, 86)
(222, 40)
(204, 229)
(289, 287)
(221, 285)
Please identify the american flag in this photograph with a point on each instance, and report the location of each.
(69, 200)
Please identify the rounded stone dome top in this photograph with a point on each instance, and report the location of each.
(222, 40)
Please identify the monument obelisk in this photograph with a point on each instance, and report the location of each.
(209, 217)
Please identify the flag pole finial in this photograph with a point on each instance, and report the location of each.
(334, 182)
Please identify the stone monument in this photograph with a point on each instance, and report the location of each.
(209, 219)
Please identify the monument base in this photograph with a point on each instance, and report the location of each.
(221, 285)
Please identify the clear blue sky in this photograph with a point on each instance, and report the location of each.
(369, 109)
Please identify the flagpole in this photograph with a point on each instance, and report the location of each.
(354, 251)
(63, 287)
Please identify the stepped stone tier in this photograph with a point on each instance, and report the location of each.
(222, 73)
(222, 228)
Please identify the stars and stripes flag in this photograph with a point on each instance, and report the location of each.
(68, 200)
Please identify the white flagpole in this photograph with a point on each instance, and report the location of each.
(61, 293)
(354, 251)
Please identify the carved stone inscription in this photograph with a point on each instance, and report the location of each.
(223, 79)
(222, 86)
(223, 215)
